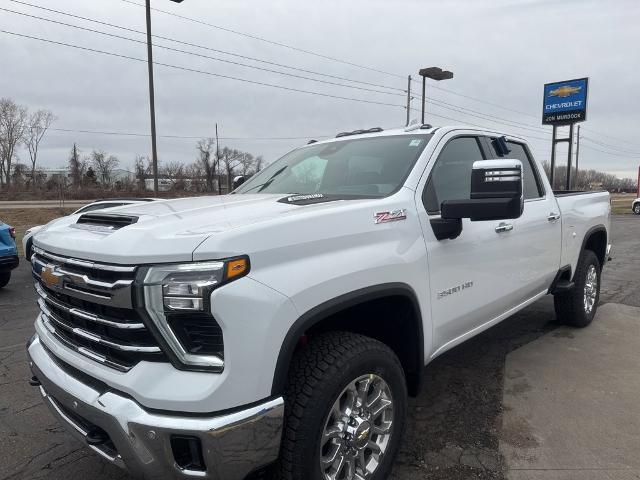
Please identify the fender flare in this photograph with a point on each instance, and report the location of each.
(595, 229)
(326, 309)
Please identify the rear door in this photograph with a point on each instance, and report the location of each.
(539, 231)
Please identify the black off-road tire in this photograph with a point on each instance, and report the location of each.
(318, 374)
(636, 208)
(570, 306)
(4, 278)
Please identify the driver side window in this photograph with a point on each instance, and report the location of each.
(450, 178)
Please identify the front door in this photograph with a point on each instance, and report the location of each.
(475, 277)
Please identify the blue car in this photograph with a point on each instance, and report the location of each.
(8, 253)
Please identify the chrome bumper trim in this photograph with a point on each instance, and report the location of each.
(233, 444)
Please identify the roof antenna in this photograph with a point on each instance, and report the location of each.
(413, 125)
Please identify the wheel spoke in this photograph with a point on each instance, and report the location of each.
(337, 467)
(363, 462)
(331, 457)
(350, 468)
(332, 432)
(377, 395)
(384, 429)
(374, 447)
(383, 405)
(363, 390)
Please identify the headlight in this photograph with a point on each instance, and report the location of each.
(177, 296)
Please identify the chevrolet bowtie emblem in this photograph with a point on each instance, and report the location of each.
(49, 277)
(564, 91)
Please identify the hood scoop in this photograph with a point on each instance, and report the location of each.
(104, 222)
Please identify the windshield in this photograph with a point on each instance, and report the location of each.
(358, 167)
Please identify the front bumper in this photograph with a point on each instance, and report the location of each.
(8, 263)
(233, 444)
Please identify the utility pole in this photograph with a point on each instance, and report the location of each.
(577, 153)
(570, 140)
(216, 163)
(152, 103)
(408, 99)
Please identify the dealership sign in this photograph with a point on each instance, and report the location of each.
(565, 102)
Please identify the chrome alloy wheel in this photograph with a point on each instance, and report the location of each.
(590, 289)
(357, 430)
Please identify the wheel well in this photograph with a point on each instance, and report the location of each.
(597, 243)
(391, 317)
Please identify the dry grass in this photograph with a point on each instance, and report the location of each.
(25, 218)
(621, 203)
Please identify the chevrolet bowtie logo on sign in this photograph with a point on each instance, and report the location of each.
(49, 276)
(564, 91)
(565, 102)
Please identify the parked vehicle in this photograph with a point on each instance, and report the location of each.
(288, 321)
(8, 253)
(635, 206)
(27, 239)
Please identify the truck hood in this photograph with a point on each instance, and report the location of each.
(167, 230)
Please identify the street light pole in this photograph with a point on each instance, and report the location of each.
(152, 102)
(434, 73)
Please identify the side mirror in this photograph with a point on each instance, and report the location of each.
(237, 181)
(496, 193)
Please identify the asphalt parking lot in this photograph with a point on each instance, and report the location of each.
(456, 428)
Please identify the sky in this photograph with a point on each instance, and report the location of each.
(502, 52)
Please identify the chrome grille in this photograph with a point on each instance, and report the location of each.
(89, 308)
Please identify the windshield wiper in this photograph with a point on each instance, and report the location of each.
(264, 185)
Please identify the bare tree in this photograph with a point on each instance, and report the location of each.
(19, 174)
(258, 164)
(77, 167)
(208, 161)
(142, 167)
(104, 165)
(13, 124)
(231, 159)
(37, 125)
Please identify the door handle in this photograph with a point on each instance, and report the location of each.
(553, 217)
(504, 227)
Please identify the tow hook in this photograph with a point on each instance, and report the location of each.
(34, 382)
(96, 436)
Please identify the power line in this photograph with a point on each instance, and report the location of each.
(611, 147)
(246, 57)
(453, 92)
(194, 70)
(201, 55)
(610, 136)
(476, 99)
(437, 102)
(272, 42)
(181, 137)
(610, 153)
(485, 116)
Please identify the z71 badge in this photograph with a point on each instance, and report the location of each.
(392, 216)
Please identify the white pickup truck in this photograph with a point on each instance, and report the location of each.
(283, 326)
